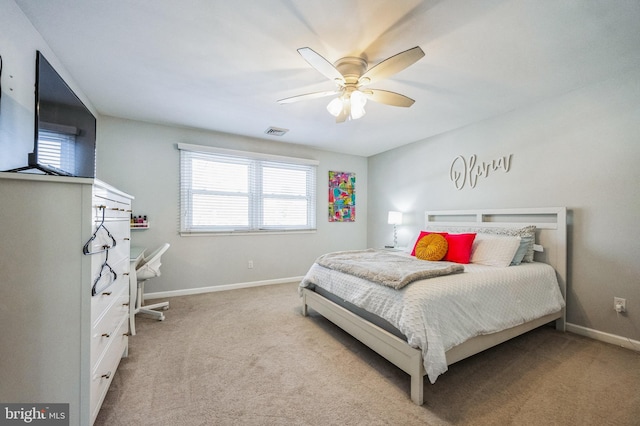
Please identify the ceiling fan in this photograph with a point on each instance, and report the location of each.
(351, 74)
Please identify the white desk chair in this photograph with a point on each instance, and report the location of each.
(149, 267)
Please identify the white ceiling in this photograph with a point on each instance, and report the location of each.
(222, 65)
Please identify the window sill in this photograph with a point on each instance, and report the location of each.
(244, 233)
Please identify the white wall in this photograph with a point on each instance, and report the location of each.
(142, 159)
(580, 150)
(19, 41)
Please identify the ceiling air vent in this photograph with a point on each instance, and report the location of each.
(276, 131)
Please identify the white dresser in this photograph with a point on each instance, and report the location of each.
(63, 303)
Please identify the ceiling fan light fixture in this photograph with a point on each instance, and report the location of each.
(350, 106)
(335, 106)
(358, 101)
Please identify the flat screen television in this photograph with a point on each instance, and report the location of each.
(65, 129)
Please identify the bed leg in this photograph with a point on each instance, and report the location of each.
(417, 378)
(417, 389)
(304, 305)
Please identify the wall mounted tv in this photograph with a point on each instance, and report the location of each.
(65, 130)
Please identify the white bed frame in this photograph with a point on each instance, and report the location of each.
(551, 234)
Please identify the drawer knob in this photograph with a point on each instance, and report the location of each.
(106, 376)
(125, 304)
(106, 293)
(125, 273)
(106, 335)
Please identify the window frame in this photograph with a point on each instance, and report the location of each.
(256, 162)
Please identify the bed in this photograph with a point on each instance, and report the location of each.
(375, 322)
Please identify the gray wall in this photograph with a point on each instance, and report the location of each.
(142, 159)
(580, 150)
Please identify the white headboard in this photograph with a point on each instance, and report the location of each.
(550, 222)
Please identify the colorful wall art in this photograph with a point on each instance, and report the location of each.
(342, 197)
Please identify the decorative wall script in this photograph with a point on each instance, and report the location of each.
(467, 171)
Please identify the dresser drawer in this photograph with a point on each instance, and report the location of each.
(110, 206)
(116, 251)
(102, 373)
(111, 210)
(113, 235)
(107, 329)
(116, 294)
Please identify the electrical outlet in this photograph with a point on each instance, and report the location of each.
(619, 304)
(250, 264)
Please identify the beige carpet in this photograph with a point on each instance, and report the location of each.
(248, 357)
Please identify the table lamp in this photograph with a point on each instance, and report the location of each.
(395, 218)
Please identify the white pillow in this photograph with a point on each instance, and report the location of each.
(494, 250)
(526, 231)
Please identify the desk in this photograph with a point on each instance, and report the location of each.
(137, 254)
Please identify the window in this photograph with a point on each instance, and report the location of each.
(233, 191)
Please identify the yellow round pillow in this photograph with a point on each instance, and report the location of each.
(432, 247)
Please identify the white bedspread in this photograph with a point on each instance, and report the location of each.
(437, 314)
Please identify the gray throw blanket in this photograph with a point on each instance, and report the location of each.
(386, 268)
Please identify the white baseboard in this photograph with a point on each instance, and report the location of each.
(625, 342)
(190, 291)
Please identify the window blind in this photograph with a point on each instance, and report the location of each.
(235, 191)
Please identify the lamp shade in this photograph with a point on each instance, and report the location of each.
(395, 218)
(335, 107)
(349, 105)
(358, 101)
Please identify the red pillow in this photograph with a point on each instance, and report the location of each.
(422, 234)
(459, 247)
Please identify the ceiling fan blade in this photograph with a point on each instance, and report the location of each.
(308, 96)
(391, 65)
(388, 98)
(323, 66)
